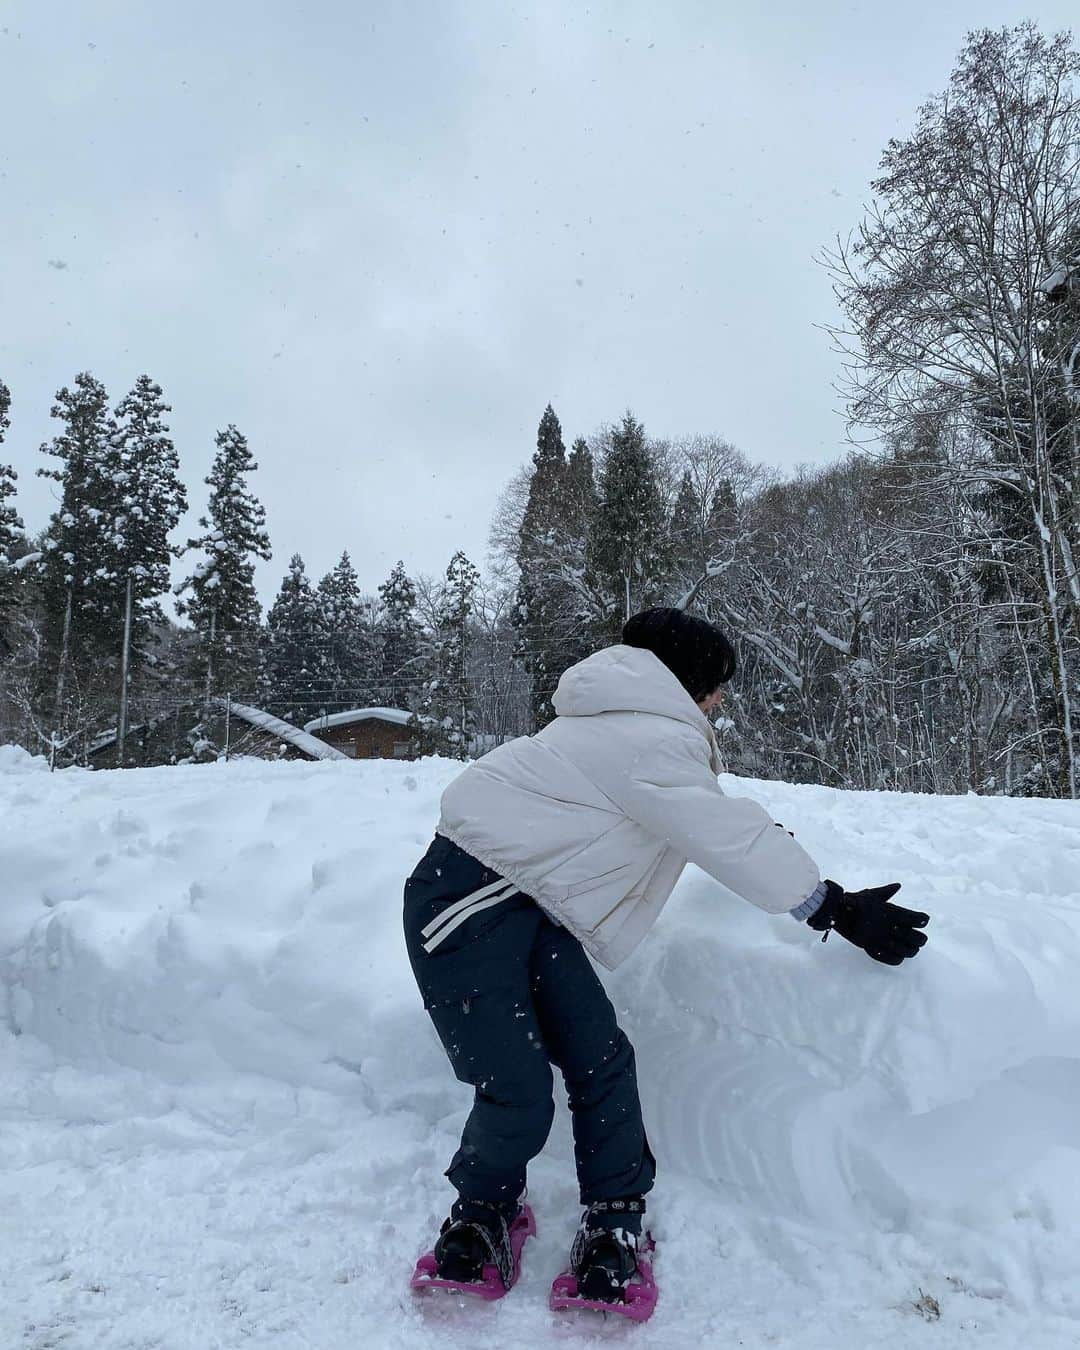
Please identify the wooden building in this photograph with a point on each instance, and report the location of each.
(365, 733)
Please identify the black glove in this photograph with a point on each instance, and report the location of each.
(886, 932)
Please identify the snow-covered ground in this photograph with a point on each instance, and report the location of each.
(224, 1116)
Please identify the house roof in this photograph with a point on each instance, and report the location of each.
(256, 717)
(309, 745)
(107, 738)
(343, 719)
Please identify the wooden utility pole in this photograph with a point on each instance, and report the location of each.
(64, 644)
(125, 657)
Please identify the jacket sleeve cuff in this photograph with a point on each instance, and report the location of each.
(811, 904)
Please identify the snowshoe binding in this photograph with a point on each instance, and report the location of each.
(478, 1250)
(608, 1271)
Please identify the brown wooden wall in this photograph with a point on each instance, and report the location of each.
(370, 739)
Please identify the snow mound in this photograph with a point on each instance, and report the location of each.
(226, 1115)
(14, 759)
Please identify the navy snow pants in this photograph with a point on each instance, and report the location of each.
(511, 993)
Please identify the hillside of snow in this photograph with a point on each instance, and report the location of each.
(225, 1116)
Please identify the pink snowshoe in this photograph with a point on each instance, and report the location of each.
(613, 1275)
(472, 1258)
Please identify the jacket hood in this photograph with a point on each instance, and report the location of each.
(628, 679)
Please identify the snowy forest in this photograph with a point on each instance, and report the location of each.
(906, 618)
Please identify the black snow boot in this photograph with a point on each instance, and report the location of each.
(603, 1258)
(475, 1235)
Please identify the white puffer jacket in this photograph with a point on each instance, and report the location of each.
(596, 815)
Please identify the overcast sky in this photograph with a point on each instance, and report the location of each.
(381, 237)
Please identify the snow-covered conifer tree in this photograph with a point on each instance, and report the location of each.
(219, 597)
(292, 675)
(687, 534)
(444, 723)
(81, 615)
(629, 544)
(399, 639)
(581, 483)
(11, 526)
(544, 611)
(349, 662)
(462, 579)
(150, 499)
(582, 611)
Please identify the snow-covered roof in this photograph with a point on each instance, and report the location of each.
(350, 715)
(310, 745)
(1058, 277)
(275, 726)
(107, 738)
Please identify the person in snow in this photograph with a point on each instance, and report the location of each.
(569, 842)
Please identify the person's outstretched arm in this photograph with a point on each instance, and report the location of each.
(673, 793)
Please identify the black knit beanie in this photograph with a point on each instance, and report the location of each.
(694, 650)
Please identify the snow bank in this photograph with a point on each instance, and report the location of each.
(225, 1115)
(14, 759)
